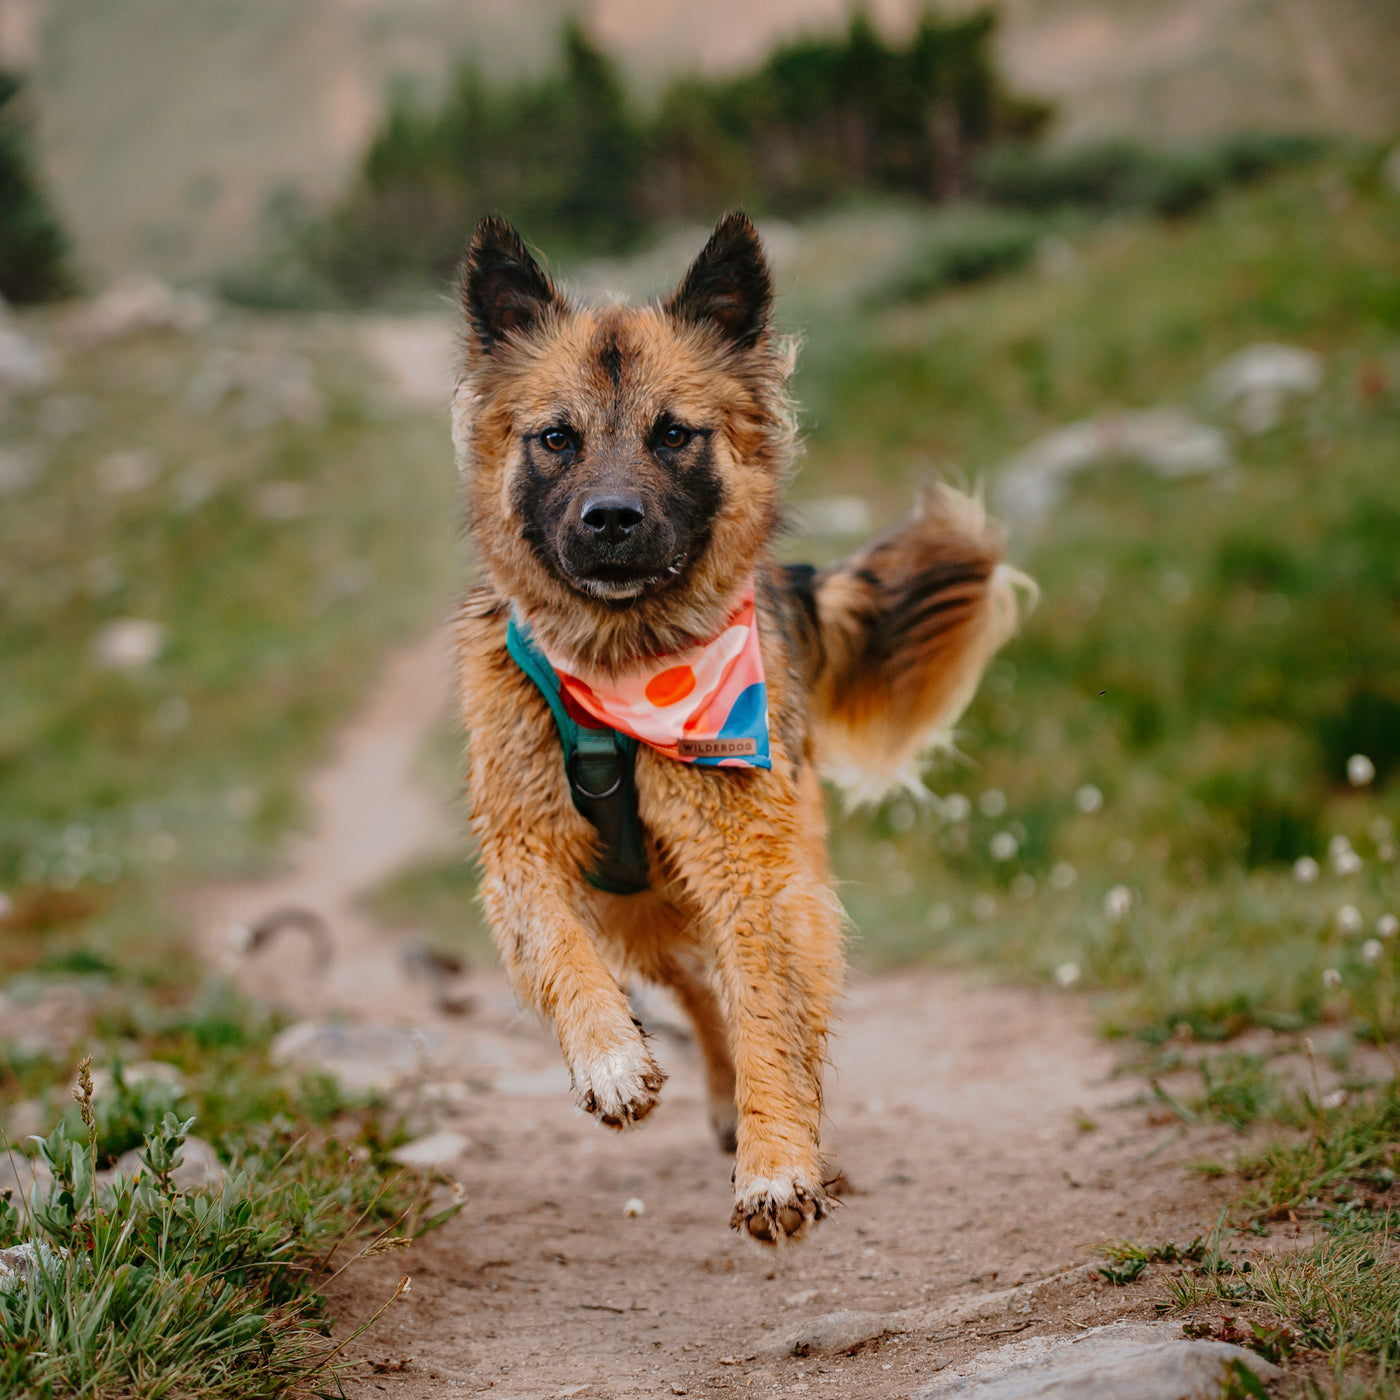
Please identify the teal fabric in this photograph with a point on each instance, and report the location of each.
(600, 766)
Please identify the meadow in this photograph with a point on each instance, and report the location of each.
(1177, 793)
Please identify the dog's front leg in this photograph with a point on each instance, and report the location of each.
(776, 932)
(554, 964)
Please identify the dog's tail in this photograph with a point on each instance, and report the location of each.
(907, 625)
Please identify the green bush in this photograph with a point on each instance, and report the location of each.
(572, 158)
(33, 248)
(1115, 175)
(970, 246)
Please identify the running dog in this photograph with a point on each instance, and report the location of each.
(650, 697)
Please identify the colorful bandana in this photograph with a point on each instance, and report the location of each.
(706, 705)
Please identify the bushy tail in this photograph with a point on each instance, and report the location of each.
(908, 624)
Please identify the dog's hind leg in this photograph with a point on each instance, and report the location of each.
(695, 994)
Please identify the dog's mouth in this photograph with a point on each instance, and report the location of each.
(617, 583)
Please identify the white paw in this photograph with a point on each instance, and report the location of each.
(619, 1087)
(777, 1209)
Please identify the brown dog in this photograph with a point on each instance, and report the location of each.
(624, 468)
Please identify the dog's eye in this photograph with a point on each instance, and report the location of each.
(675, 437)
(556, 440)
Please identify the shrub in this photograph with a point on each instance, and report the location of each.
(33, 248)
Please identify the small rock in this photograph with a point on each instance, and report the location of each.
(1167, 441)
(837, 1331)
(1256, 383)
(433, 1150)
(134, 305)
(25, 364)
(361, 1055)
(129, 644)
(635, 1207)
(27, 1178)
(796, 1300)
(1116, 1363)
(200, 1168)
(26, 1262)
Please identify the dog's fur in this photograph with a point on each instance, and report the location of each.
(866, 661)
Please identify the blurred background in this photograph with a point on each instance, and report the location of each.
(1133, 268)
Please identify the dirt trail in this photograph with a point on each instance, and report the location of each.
(987, 1143)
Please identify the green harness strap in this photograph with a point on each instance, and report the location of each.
(601, 768)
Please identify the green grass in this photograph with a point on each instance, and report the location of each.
(279, 554)
(1208, 652)
(154, 1288)
(281, 536)
(1330, 1306)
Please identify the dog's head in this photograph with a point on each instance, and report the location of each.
(623, 464)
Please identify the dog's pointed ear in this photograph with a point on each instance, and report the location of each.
(728, 286)
(504, 290)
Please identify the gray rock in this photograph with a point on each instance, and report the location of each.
(1114, 1363)
(360, 1055)
(26, 1262)
(1167, 441)
(25, 363)
(1256, 383)
(27, 1178)
(837, 1331)
(433, 1150)
(200, 1168)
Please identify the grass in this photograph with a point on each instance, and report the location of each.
(155, 1287)
(184, 484)
(253, 491)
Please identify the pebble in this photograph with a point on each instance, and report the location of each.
(433, 1150)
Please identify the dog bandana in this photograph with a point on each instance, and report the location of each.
(706, 705)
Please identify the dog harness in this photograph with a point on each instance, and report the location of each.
(706, 705)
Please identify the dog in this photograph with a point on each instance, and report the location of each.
(623, 470)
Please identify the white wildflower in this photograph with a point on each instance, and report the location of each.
(956, 807)
(1088, 799)
(1361, 772)
(1306, 870)
(1371, 951)
(1347, 920)
(1344, 859)
(634, 1208)
(1067, 974)
(1331, 978)
(1116, 903)
(992, 802)
(1003, 846)
(1387, 926)
(1063, 875)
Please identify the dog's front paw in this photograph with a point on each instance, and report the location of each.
(778, 1209)
(619, 1087)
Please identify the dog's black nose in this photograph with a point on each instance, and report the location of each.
(612, 517)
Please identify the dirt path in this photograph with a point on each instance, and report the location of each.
(986, 1140)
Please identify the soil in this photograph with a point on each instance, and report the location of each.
(985, 1139)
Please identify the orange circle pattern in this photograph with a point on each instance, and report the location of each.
(669, 687)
